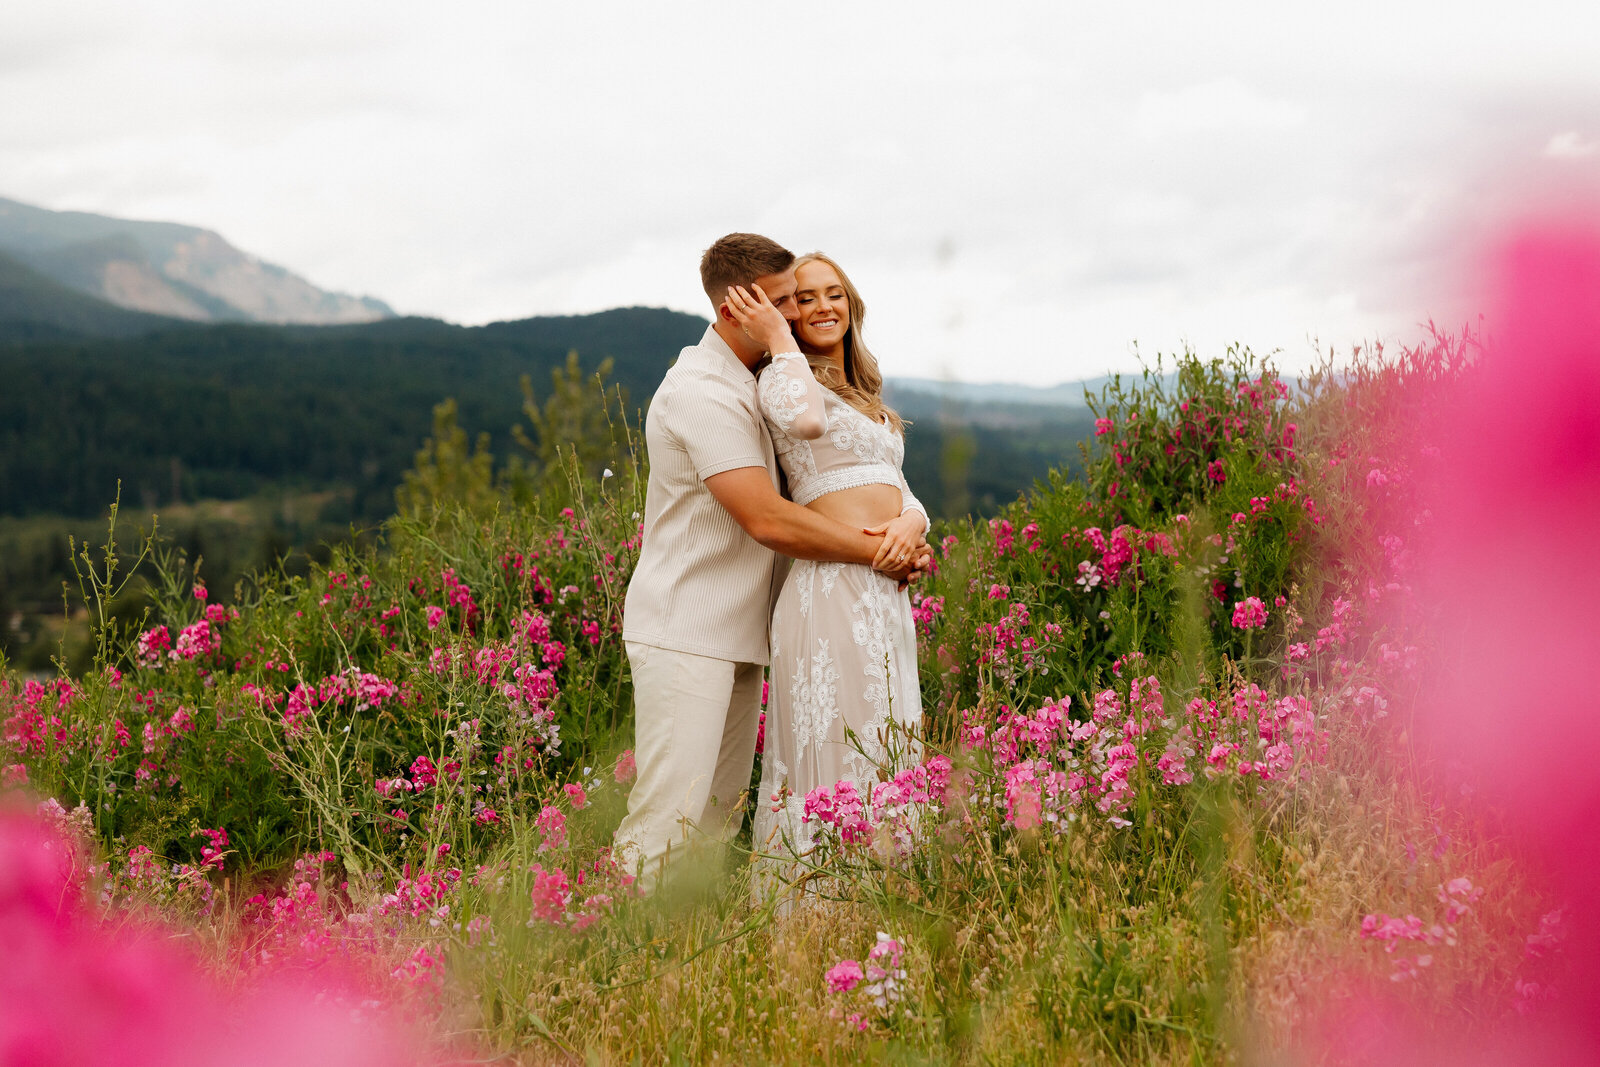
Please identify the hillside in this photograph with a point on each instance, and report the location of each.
(191, 412)
(169, 269)
(228, 410)
(37, 308)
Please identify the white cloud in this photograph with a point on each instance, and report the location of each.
(1021, 194)
(1212, 107)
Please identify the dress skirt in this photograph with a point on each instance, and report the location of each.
(843, 695)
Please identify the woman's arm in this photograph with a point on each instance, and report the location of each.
(790, 397)
(909, 502)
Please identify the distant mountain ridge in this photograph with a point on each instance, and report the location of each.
(1066, 394)
(169, 269)
(34, 307)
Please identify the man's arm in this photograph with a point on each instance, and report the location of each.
(786, 527)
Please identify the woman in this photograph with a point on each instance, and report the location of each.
(843, 696)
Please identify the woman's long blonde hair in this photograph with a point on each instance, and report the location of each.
(861, 385)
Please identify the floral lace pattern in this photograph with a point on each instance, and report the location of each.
(844, 695)
(786, 397)
(850, 450)
(844, 701)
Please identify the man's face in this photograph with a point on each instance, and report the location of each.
(780, 290)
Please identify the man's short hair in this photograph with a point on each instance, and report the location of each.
(739, 259)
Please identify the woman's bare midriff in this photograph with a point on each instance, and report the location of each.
(861, 507)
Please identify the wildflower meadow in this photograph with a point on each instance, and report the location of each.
(1204, 776)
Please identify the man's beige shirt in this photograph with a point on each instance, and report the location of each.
(702, 584)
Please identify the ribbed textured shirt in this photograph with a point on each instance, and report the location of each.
(702, 584)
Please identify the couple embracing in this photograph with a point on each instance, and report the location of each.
(781, 381)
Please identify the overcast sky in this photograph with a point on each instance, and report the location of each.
(1022, 191)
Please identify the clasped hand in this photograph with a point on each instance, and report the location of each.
(904, 554)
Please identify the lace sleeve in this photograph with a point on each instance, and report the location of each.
(909, 502)
(791, 399)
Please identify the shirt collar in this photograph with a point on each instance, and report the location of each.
(714, 341)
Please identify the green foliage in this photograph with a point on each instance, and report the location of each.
(1143, 561)
(446, 471)
(582, 415)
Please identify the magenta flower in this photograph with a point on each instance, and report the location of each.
(550, 895)
(423, 772)
(844, 976)
(152, 644)
(552, 827)
(1249, 614)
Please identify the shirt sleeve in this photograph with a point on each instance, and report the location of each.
(791, 398)
(718, 431)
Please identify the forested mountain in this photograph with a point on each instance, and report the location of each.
(167, 268)
(179, 411)
(225, 411)
(34, 307)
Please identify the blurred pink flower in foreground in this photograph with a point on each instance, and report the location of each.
(1517, 712)
(76, 992)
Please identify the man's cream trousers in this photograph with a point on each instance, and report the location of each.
(695, 724)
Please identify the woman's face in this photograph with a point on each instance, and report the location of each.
(824, 311)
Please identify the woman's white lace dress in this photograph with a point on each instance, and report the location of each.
(843, 681)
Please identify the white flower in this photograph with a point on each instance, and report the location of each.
(606, 473)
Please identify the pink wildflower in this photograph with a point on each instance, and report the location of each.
(297, 710)
(152, 643)
(844, 976)
(552, 827)
(195, 641)
(1249, 614)
(550, 895)
(423, 772)
(213, 854)
(885, 975)
(1023, 802)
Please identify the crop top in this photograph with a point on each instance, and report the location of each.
(823, 444)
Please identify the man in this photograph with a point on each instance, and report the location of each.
(698, 606)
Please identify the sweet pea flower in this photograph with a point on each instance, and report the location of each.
(1249, 614)
(844, 976)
